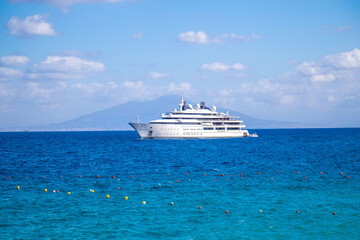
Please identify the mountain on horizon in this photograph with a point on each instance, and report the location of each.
(117, 117)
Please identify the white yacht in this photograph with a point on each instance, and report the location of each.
(193, 122)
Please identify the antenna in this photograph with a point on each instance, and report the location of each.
(137, 118)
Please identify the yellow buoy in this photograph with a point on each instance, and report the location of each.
(108, 196)
(92, 190)
(260, 210)
(18, 187)
(172, 203)
(69, 192)
(45, 190)
(126, 198)
(143, 202)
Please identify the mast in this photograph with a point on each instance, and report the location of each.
(181, 104)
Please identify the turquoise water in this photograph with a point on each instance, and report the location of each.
(260, 206)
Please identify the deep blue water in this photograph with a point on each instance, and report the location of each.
(143, 170)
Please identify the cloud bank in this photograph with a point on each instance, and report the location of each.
(65, 67)
(14, 60)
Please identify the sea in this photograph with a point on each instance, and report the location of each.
(284, 184)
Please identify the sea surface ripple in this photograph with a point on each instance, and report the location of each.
(262, 183)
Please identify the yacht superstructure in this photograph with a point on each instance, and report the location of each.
(199, 121)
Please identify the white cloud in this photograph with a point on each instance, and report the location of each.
(137, 35)
(157, 75)
(134, 85)
(182, 87)
(9, 73)
(32, 25)
(221, 67)
(333, 80)
(331, 67)
(194, 37)
(14, 60)
(323, 78)
(346, 60)
(344, 28)
(65, 3)
(203, 38)
(309, 68)
(6, 95)
(287, 99)
(63, 67)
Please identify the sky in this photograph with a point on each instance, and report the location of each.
(279, 60)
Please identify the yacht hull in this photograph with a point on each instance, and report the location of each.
(149, 131)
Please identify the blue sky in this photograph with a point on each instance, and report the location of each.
(281, 60)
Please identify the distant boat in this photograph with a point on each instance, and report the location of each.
(193, 122)
(27, 130)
